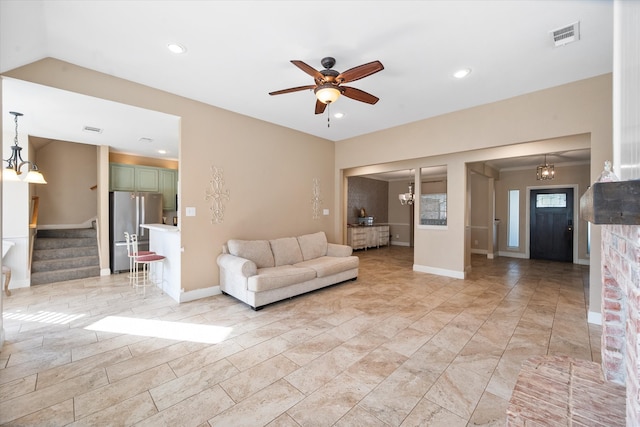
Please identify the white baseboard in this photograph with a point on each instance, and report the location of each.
(105, 272)
(197, 294)
(400, 243)
(479, 251)
(17, 284)
(87, 224)
(438, 271)
(595, 318)
(584, 261)
(513, 254)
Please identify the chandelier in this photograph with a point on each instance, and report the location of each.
(407, 198)
(545, 172)
(15, 162)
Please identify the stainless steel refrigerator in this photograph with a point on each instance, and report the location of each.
(128, 210)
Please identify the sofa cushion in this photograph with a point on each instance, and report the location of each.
(327, 266)
(279, 277)
(258, 251)
(313, 245)
(286, 251)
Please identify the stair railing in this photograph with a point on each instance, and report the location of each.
(33, 225)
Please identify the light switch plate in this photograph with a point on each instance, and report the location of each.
(325, 211)
(191, 211)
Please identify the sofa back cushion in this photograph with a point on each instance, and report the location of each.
(313, 245)
(258, 251)
(286, 251)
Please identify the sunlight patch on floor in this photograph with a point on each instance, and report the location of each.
(194, 332)
(51, 317)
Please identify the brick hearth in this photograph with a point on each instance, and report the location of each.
(621, 312)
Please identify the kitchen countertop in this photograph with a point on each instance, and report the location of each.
(161, 227)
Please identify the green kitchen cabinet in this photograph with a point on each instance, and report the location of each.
(168, 184)
(123, 177)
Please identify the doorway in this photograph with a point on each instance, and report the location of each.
(551, 224)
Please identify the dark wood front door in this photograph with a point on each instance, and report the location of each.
(551, 224)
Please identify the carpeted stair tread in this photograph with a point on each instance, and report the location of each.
(64, 263)
(49, 254)
(64, 275)
(56, 243)
(67, 233)
(64, 254)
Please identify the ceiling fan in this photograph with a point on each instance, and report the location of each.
(328, 85)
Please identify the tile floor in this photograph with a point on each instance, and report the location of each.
(394, 348)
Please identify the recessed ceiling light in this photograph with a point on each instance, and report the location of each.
(461, 74)
(176, 48)
(162, 151)
(338, 115)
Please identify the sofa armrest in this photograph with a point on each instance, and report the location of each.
(333, 249)
(237, 265)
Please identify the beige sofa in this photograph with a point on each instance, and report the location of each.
(259, 272)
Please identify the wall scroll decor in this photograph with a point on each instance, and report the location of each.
(217, 195)
(316, 201)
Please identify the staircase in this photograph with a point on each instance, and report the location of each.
(64, 254)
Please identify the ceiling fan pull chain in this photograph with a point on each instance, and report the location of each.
(329, 115)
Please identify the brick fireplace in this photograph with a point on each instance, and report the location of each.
(615, 206)
(621, 312)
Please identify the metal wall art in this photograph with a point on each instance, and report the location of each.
(217, 195)
(316, 201)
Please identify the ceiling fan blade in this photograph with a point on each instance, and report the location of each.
(360, 71)
(308, 69)
(320, 106)
(359, 95)
(293, 89)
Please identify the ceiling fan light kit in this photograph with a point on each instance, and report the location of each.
(327, 93)
(328, 82)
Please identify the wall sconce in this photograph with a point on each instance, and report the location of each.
(15, 162)
(545, 172)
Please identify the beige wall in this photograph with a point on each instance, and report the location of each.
(479, 212)
(514, 127)
(522, 180)
(69, 198)
(245, 149)
(268, 170)
(399, 215)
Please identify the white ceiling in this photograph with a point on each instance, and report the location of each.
(239, 51)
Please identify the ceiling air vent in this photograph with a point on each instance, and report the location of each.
(92, 129)
(566, 35)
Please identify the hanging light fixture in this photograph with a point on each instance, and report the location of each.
(407, 198)
(545, 172)
(327, 93)
(15, 162)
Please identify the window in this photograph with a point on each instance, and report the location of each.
(433, 209)
(513, 227)
(558, 200)
(433, 196)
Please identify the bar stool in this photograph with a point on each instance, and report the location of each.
(127, 238)
(145, 261)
